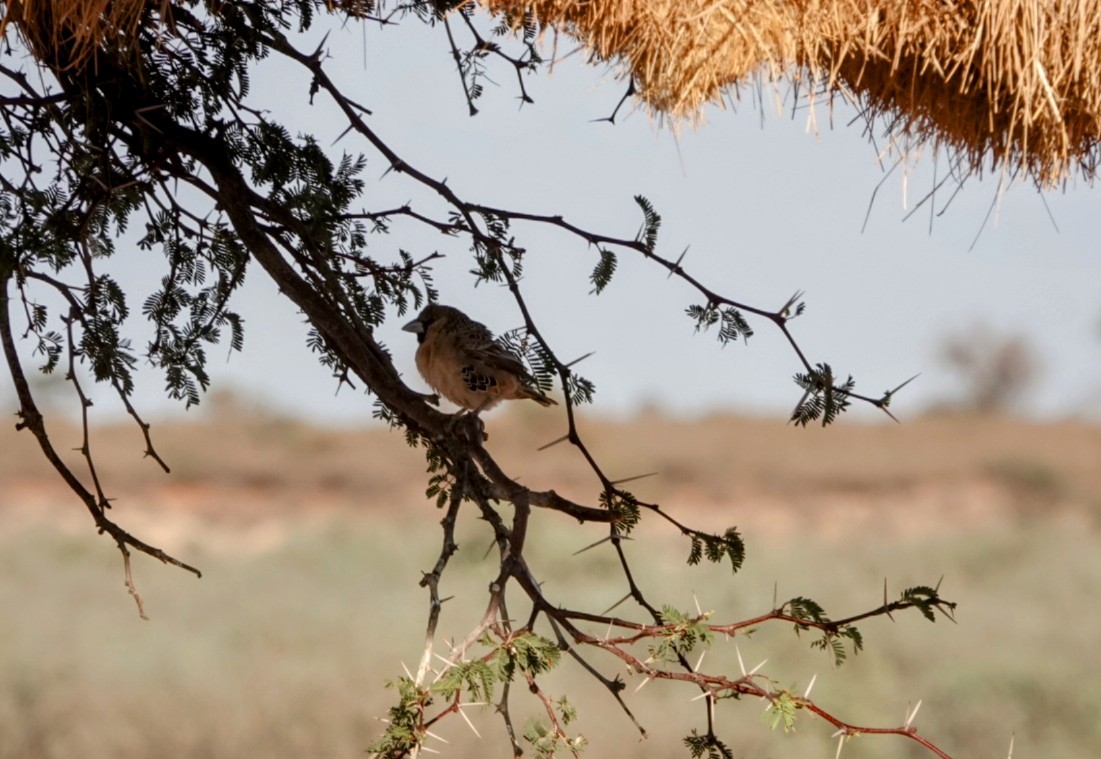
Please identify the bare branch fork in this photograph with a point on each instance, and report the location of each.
(31, 419)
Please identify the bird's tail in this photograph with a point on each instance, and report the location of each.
(539, 397)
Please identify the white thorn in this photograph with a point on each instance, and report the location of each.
(806, 694)
(407, 672)
(433, 735)
(444, 659)
(740, 662)
(700, 660)
(840, 743)
(699, 611)
(754, 670)
(1012, 737)
(468, 722)
(840, 732)
(705, 694)
(910, 717)
(643, 684)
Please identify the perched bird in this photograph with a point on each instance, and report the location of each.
(460, 359)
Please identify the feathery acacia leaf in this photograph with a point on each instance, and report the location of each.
(603, 272)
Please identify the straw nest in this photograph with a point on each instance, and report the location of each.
(1002, 84)
(66, 33)
(1012, 84)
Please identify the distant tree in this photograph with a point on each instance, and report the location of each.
(996, 369)
(138, 116)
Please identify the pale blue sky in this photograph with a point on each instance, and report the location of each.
(767, 206)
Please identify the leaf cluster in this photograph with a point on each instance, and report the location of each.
(523, 653)
(405, 729)
(823, 398)
(546, 741)
(732, 323)
(927, 600)
(624, 506)
(681, 635)
(651, 225)
(534, 354)
(603, 271)
(709, 744)
(717, 547)
(810, 615)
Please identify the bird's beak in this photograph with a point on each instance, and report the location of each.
(416, 326)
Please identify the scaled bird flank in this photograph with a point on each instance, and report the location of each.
(460, 359)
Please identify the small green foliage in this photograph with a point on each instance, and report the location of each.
(651, 223)
(545, 741)
(48, 345)
(704, 316)
(833, 635)
(405, 730)
(566, 710)
(829, 642)
(732, 324)
(717, 547)
(328, 357)
(710, 744)
(805, 608)
(579, 390)
(850, 632)
(602, 273)
(477, 678)
(541, 737)
(781, 711)
(527, 652)
(624, 505)
(682, 633)
(493, 250)
(532, 352)
(441, 481)
(822, 398)
(439, 488)
(927, 600)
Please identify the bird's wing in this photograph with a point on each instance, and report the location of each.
(493, 356)
(486, 353)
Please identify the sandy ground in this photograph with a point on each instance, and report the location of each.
(243, 478)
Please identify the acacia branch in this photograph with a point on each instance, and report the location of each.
(298, 252)
(31, 419)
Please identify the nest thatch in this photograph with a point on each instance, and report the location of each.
(1012, 84)
(74, 28)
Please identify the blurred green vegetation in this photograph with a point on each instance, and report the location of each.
(284, 652)
(312, 543)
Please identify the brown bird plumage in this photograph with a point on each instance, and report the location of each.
(460, 359)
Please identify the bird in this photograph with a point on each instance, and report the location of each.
(460, 359)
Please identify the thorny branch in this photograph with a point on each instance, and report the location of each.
(31, 419)
(295, 223)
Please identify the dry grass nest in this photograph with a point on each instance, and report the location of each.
(1007, 85)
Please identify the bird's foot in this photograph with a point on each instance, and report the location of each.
(469, 425)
